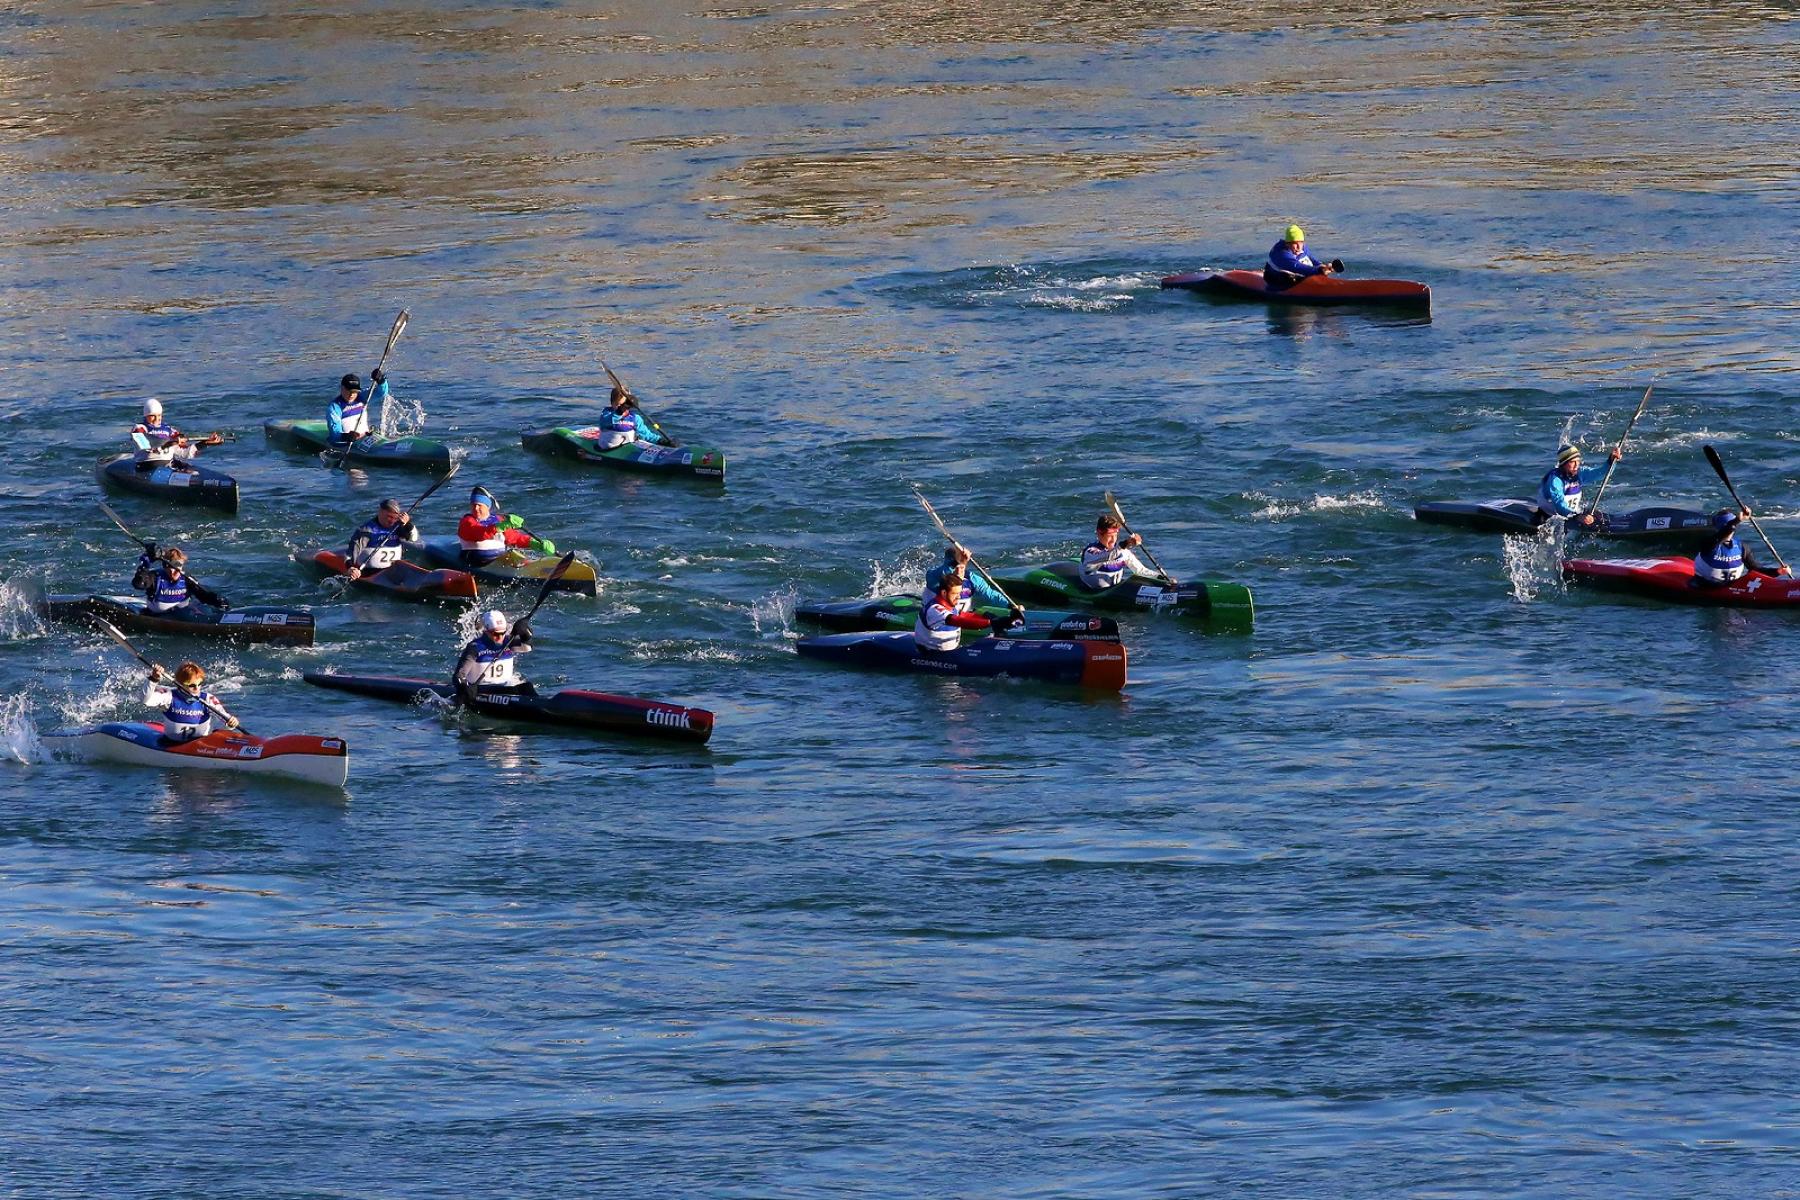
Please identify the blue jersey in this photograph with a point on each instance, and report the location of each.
(1297, 262)
(346, 418)
(1559, 497)
(1722, 562)
(976, 589)
(165, 593)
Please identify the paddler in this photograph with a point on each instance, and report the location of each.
(1727, 559)
(1289, 259)
(942, 620)
(977, 592)
(487, 662)
(486, 533)
(621, 424)
(186, 715)
(168, 591)
(1559, 494)
(1107, 561)
(378, 543)
(347, 416)
(166, 444)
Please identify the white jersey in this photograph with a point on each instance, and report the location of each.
(933, 631)
(1102, 568)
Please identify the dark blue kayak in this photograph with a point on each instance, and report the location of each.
(187, 483)
(1097, 665)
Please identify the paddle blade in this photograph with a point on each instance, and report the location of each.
(394, 333)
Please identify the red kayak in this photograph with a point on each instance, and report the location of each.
(1673, 579)
(1314, 289)
(404, 580)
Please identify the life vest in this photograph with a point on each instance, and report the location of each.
(348, 417)
(933, 631)
(184, 717)
(1101, 567)
(384, 545)
(166, 594)
(496, 659)
(482, 537)
(616, 429)
(1571, 494)
(1721, 562)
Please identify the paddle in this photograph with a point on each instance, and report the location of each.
(363, 558)
(1712, 456)
(648, 420)
(1113, 507)
(120, 638)
(1594, 511)
(951, 538)
(556, 573)
(107, 509)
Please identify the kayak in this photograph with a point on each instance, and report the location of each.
(287, 626)
(901, 612)
(187, 484)
(291, 756)
(419, 453)
(1314, 289)
(580, 446)
(1673, 579)
(1226, 605)
(514, 566)
(1524, 516)
(405, 580)
(572, 708)
(1096, 665)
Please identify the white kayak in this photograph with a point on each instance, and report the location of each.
(290, 756)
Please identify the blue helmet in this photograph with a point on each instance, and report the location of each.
(1724, 520)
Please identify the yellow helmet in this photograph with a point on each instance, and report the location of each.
(1294, 234)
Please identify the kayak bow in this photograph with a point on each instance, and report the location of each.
(189, 484)
(1096, 665)
(299, 756)
(417, 453)
(580, 445)
(258, 623)
(1313, 289)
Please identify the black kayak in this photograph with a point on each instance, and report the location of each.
(900, 613)
(186, 483)
(571, 708)
(1097, 665)
(1678, 525)
(289, 626)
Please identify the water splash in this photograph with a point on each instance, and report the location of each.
(18, 611)
(772, 616)
(401, 417)
(1533, 561)
(1276, 509)
(905, 575)
(18, 734)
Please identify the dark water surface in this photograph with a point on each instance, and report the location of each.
(1444, 882)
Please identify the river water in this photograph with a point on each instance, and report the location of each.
(1445, 881)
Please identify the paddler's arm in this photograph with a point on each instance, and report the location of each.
(219, 710)
(986, 594)
(468, 669)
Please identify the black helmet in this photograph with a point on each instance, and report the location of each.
(1724, 520)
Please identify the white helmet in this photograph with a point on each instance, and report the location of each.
(494, 621)
(153, 407)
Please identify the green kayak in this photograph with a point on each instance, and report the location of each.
(581, 445)
(1221, 605)
(422, 454)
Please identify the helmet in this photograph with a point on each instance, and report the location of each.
(481, 495)
(351, 381)
(1565, 453)
(494, 621)
(1724, 520)
(1293, 233)
(153, 407)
